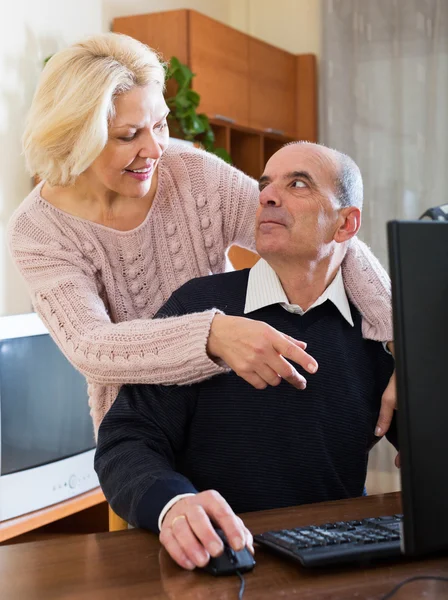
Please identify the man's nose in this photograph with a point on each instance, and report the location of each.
(269, 196)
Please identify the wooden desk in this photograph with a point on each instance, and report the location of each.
(130, 565)
(39, 518)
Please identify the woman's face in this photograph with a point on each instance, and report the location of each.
(138, 135)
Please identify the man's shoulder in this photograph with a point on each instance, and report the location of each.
(220, 285)
(225, 291)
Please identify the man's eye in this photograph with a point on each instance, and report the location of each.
(299, 184)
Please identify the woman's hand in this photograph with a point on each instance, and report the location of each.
(388, 407)
(388, 402)
(257, 352)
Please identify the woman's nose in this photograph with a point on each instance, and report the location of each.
(151, 148)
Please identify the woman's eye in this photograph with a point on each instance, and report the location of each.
(299, 184)
(128, 139)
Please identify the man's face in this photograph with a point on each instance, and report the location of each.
(298, 213)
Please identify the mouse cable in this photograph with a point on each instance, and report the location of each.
(386, 597)
(410, 580)
(243, 585)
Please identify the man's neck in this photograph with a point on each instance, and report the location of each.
(305, 281)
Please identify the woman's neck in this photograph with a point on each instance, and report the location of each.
(105, 208)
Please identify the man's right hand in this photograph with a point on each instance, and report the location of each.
(257, 352)
(189, 536)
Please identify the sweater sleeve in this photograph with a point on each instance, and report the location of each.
(138, 441)
(239, 202)
(64, 293)
(368, 286)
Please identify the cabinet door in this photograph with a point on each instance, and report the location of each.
(307, 103)
(165, 32)
(219, 55)
(272, 92)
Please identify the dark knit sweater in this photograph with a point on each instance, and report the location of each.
(260, 449)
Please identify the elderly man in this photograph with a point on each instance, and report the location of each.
(176, 459)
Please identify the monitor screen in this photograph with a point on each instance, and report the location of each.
(44, 412)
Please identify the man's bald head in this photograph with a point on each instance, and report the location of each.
(347, 176)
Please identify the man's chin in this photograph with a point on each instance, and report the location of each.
(266, 248)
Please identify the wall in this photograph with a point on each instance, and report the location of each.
(293, 25)
(217, 9)
(33, 29)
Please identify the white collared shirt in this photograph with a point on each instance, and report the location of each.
(264, 288)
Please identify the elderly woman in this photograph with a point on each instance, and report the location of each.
(121, 220)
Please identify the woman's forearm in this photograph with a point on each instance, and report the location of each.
(159, 351)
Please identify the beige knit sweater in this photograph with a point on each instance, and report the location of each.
(97, 289)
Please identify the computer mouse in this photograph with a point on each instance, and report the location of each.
(229, 561)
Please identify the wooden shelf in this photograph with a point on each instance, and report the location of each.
(271, 146)
(222, 136)
(246, 150)
(245, 129)
(15, 527)
(249, 148)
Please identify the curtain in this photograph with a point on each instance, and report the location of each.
(384, 101)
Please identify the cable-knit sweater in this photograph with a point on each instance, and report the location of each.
(97, 289)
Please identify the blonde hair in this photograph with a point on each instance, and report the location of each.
(67, 125)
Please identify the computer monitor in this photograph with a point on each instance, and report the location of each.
(418, 257)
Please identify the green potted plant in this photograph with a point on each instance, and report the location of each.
(185, 121)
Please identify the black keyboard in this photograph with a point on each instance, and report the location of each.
(338, 542)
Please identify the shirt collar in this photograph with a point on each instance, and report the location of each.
(264, 288)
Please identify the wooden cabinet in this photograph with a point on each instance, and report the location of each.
(272, 88)
(238, 77)
(216, 53)
(306, 97)
(165, 32)
(219, 55)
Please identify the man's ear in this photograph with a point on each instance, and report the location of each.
(348, 225)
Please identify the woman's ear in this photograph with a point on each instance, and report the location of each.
(349, 224)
